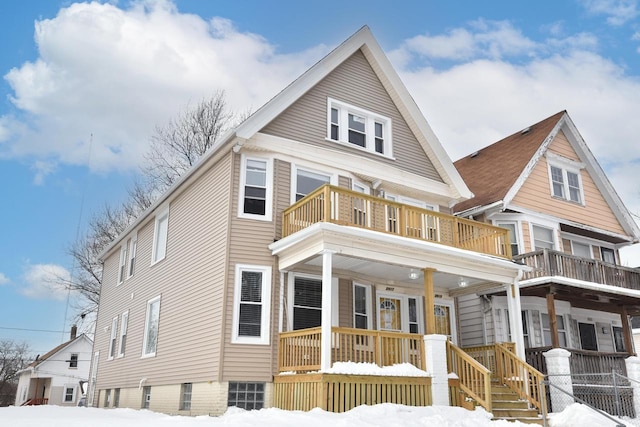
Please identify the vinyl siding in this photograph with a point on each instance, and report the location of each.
(470, 319)
(353, 82)
(190, 282)
(535, 194)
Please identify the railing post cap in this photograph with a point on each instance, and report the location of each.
(435, 337)
(557, 352)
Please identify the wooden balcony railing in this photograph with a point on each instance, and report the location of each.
(582, 361)
(475, 379)
(345, 207)
(299, 351)
(547, 262)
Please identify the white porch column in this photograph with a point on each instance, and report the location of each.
(325, 343)
(435, 347)
(559, 372)
(515, 317)
(633, 372)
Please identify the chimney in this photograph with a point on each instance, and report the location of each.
(74, 332)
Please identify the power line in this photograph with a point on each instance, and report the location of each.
(33, 330)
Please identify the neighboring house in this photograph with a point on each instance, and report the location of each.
(567, 223)
(54, 378)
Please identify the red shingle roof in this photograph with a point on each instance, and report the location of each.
(492, 171)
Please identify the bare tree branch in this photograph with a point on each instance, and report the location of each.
(13, 358)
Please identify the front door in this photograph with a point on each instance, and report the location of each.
(588, 338)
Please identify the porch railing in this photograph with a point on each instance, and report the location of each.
(475, 379)
(486, 355)
(546, 262)
(519, 376)
(299, 351)
(582, 361)
(346, 207)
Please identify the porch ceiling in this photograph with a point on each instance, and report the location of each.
(390, 259)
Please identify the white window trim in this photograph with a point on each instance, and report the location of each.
(333, 178)
(268, 214)
(93, 377)
(369, 306)
(290, 295)
(518, 231)
(146, 330)
(343, 110)
(404, 310)
(554, 234)
(112, 337)
(122, 266)
(64, 393)
(364, 187)
(566, 165)
(124, 325)
(265, 324)
(160, 216)
(566, 330)
(133, 248)
(412, 202)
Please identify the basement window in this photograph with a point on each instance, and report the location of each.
(246, 395)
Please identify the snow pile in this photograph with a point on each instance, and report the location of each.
(578, 415)
(398, 370)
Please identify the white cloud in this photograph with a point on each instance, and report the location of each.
(109, 76)
(4, 280)
(42, 168)
(42, 281)
(618, 12)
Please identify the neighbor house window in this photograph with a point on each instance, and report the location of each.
(566, 182)
(185, 397)
(152, 319)
(116, 398)
(513, 236)
(107, 398)
(69, 394)
(73, 360)
(358, 127)
(546, 330)
(543, 238)
(255, 188)
(305, 181)
(252, 302)
(361, 306)
(123, 264)
(161, 230)
(246, 395)
(123, 333)
(608, 255)
(112, 339)
(133, 246)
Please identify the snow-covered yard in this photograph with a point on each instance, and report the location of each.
(384, 415)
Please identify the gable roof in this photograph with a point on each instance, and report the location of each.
(56, 350)
(496, 172)
(362, 40)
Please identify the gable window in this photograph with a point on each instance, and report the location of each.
(305, 181)
(358, 127)
(123, 264)
(150, 341)
(513, 236)
(160, 236)
(133, 246)
(73, 360)
(112, 340)
(361, 306)
(566, 182)
(123, 333)
(255, 188)
(543, 238)
(252, 302)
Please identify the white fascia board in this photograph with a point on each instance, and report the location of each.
(291, 150)
(580, 284)
(495, 206)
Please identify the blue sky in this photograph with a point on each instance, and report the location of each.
(84, 84)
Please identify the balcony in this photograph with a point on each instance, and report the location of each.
(547, 262)
(341, 206)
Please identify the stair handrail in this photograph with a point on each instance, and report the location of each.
(522, 378)
(475, 379)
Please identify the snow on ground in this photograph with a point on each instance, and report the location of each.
(384, 415)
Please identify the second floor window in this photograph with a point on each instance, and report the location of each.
(255, 189)
(112, 339)
(152, 319)
(123, 333)
(543, 238)
(73, 361)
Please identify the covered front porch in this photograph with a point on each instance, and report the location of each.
(365, 279)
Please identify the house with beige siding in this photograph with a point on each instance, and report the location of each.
(567, 223)
(317, 232)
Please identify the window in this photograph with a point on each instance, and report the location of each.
(123, 333)
(116, 398)
(133, 246)
(361, 306)
(107, 398)
(546, 330)
(513, 236)
(247, 396)
(543, 238)
(160, 236)
(608, 255)
(112, 340)
(69, 394)
(255, 189)
(252, 304)
(306, 293)
(150, 342)
(618, 339)
(581, 249)
(357, 127)
(588, 338)
(146, 396)
(305, 181)
(123, 263)
(185, 397)
(94, 376)
(73, 360)
(566, 183)
(413, 316)
(525, 329)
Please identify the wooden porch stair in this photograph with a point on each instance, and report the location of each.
(506, 405)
